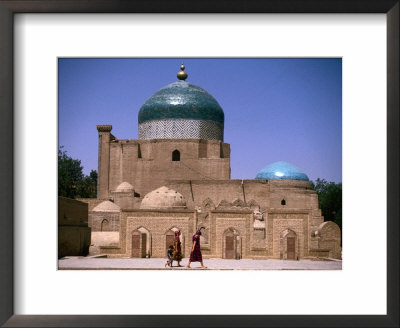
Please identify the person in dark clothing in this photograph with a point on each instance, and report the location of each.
(169, 256)
(177, 254)
(195, 255)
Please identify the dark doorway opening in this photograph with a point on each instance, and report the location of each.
(135, 245)
(291, 248)
(229, 247)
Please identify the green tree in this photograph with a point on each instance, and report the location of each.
(69, 174)
(330, 200)
(72, 183)
(87, 188)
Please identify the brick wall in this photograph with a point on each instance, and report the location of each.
(147, 164)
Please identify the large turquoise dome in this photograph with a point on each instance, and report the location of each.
(181, 110)
(281, 170)
(181, 100)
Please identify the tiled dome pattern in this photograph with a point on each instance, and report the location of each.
(181, 110)
(281, 170)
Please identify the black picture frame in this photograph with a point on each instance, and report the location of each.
(7, 10)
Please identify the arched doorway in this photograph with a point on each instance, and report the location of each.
(232, 246)
(289, 249)
(140, 245)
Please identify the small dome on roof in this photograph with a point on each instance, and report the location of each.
(106, 206)
(163, 198)
(125, 187)
(281, 170)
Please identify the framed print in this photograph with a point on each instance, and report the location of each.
(371, 135)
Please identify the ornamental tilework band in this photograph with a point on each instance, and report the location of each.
(180, 129)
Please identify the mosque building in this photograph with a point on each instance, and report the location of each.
(176, 176)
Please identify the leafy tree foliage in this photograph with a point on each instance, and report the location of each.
(69, 174)
(87, 188)
(72, 183)
(330, 200)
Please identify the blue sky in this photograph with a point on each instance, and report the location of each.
(275, 109)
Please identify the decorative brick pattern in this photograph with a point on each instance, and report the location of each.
(181, 129)
(297, 223)
(157, 226)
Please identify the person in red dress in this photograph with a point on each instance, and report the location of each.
(195, 255)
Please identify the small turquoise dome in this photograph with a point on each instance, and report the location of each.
(181, 100)
(281, 170)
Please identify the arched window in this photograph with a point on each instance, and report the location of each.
(283, 202)
(105, 226)
(176, 156)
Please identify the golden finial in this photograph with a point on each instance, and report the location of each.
(182, 74)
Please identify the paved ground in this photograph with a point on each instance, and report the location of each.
(88, 263)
